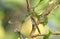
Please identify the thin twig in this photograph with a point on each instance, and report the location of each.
(56, 33)
(47, 11)
(34, 24)
(49, 8)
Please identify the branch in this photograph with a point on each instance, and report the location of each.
(56, 33)
(48, 10)
(29, 6)
(34, 24)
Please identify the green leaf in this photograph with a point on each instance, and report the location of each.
(48, 35)
(41, 7)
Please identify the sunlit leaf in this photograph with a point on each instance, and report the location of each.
(41, 7)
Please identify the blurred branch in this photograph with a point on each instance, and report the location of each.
(34, 24)
(56, 33)
(48, 10)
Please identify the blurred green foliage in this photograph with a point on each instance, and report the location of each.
(39, 6)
